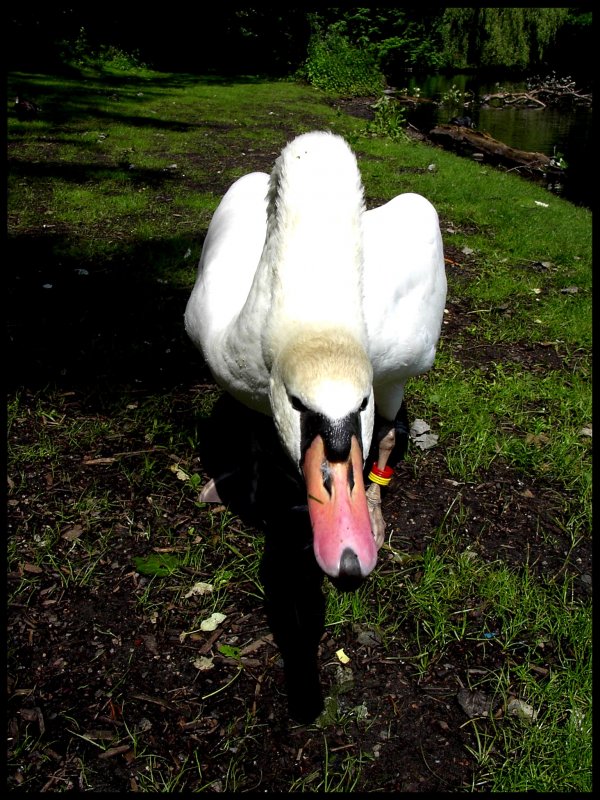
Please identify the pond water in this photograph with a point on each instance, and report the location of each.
(565, 132)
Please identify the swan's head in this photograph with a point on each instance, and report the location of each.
(321, 398)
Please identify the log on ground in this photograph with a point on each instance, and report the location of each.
(482, 146)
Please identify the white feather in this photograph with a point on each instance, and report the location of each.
(302, 292)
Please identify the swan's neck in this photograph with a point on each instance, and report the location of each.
(313, 250)
(309, 277)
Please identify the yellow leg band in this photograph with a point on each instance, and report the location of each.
(378, 479)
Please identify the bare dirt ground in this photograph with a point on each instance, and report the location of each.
(91, 665)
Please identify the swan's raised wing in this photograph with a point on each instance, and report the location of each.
(404, 287)
(230, 256)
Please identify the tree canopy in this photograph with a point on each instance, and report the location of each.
(499, 36)
(275, 40)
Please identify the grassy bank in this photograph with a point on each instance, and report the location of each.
(110, 191)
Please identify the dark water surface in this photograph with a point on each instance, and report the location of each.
(564, 131)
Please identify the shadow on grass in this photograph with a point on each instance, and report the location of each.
(72, 323)
(71, 99)
(241, 450)
(258, 482)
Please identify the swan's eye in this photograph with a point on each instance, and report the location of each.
(297, 403)
(364, 404)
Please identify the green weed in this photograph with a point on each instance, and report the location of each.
(389, 119)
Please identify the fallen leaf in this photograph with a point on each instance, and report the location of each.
(229, 651)
(522, 710)
(32, 568)
(250, 648)
(160, 564)
(34, 715)
(418, 427)
(114, 751)
(369, 638)
(474, 704)
(181, 474)
(203, 663)
(342, 656)
(212, 623)
(99, 734)
(537, 439)
(426, 441)
(419, 434)
(73, 533)
(199, 588)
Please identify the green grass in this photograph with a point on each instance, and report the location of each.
(532, 421)
(113, 166)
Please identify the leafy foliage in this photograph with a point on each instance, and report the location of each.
(274, 41)
(389, 119)
(507, 37)
(81, 53)
(334, 64)
(395, 37)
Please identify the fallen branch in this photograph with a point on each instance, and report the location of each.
(483, 146)
(90, 462)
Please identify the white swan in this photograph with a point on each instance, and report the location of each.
(315, 311)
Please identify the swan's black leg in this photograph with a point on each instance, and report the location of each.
(259, 483)
(401, 444)
(295, 608)
(380, 429)
(388, 447)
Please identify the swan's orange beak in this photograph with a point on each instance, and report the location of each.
(342, 538)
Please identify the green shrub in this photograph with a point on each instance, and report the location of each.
(389, 119)
(111, 57)
(334, 64)
(80, 53)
